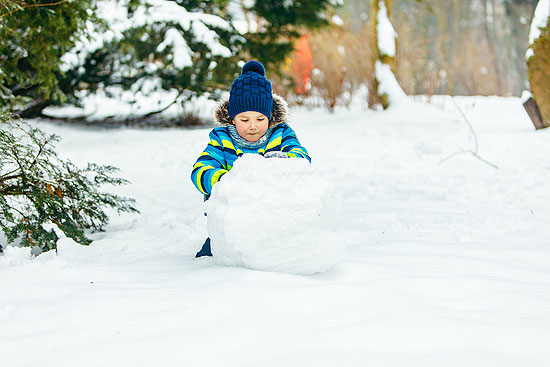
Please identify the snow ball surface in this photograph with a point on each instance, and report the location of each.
(268, 214)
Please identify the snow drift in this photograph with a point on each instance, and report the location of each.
(268, 214)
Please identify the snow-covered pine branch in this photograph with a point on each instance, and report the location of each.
(155, 55)
(146, 53)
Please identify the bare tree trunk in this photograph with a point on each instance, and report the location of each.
(489, 33)
(440, 11)
(375, 98)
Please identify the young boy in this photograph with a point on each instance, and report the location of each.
(254, 120)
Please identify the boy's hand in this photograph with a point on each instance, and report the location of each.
(275, 155)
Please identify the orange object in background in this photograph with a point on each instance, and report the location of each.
(303, 65)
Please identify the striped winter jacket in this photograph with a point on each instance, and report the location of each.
(222, 151)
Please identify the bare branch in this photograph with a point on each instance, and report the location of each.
(474, 135)
(472, 153)
(166, 107)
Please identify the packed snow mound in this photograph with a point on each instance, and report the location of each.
(13, 256)
(268, 214)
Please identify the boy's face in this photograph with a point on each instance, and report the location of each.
(251, 125)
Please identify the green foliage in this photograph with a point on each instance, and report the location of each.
(38, 189)
(34, 41)
(134, 59)
(34, 38)
(9, 6)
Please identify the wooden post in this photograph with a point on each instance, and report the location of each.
(534, 113)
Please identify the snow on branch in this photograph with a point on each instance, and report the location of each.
(119, 20)
(386, 32)
(389, 85)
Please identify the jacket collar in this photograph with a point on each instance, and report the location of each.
(243, 143)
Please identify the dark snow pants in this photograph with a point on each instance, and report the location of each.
(206, 249)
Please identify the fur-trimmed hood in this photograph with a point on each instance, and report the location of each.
(278, 116)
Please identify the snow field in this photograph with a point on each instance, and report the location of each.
(446, 261)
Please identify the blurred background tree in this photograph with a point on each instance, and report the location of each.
(455, 47)
(170, 51)
(33, 38)
(71, 49)
(462, 47)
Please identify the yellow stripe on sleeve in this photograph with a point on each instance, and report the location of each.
(199, 175)
(198, 164)
(298, 150)
(274, 143)
(228, 144)
(216, 176)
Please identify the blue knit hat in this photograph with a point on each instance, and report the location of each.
(251, 91)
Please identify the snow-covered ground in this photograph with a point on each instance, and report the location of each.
(447, 261)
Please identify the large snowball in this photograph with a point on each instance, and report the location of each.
(268, 214)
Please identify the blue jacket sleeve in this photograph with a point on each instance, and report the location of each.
(291, 146)
(210, 165)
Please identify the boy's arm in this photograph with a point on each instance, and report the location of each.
(210, 166)
(291, 146)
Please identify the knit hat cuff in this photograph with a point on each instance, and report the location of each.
(250, 103)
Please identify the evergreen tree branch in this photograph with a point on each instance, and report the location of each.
(20, 8)
(41, 149)
(47, 189)
(17, 160)
(7, 176)
(11, 191)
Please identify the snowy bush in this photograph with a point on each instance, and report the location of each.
(268, 214)
(40, 191)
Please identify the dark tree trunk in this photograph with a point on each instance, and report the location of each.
(35, 109)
